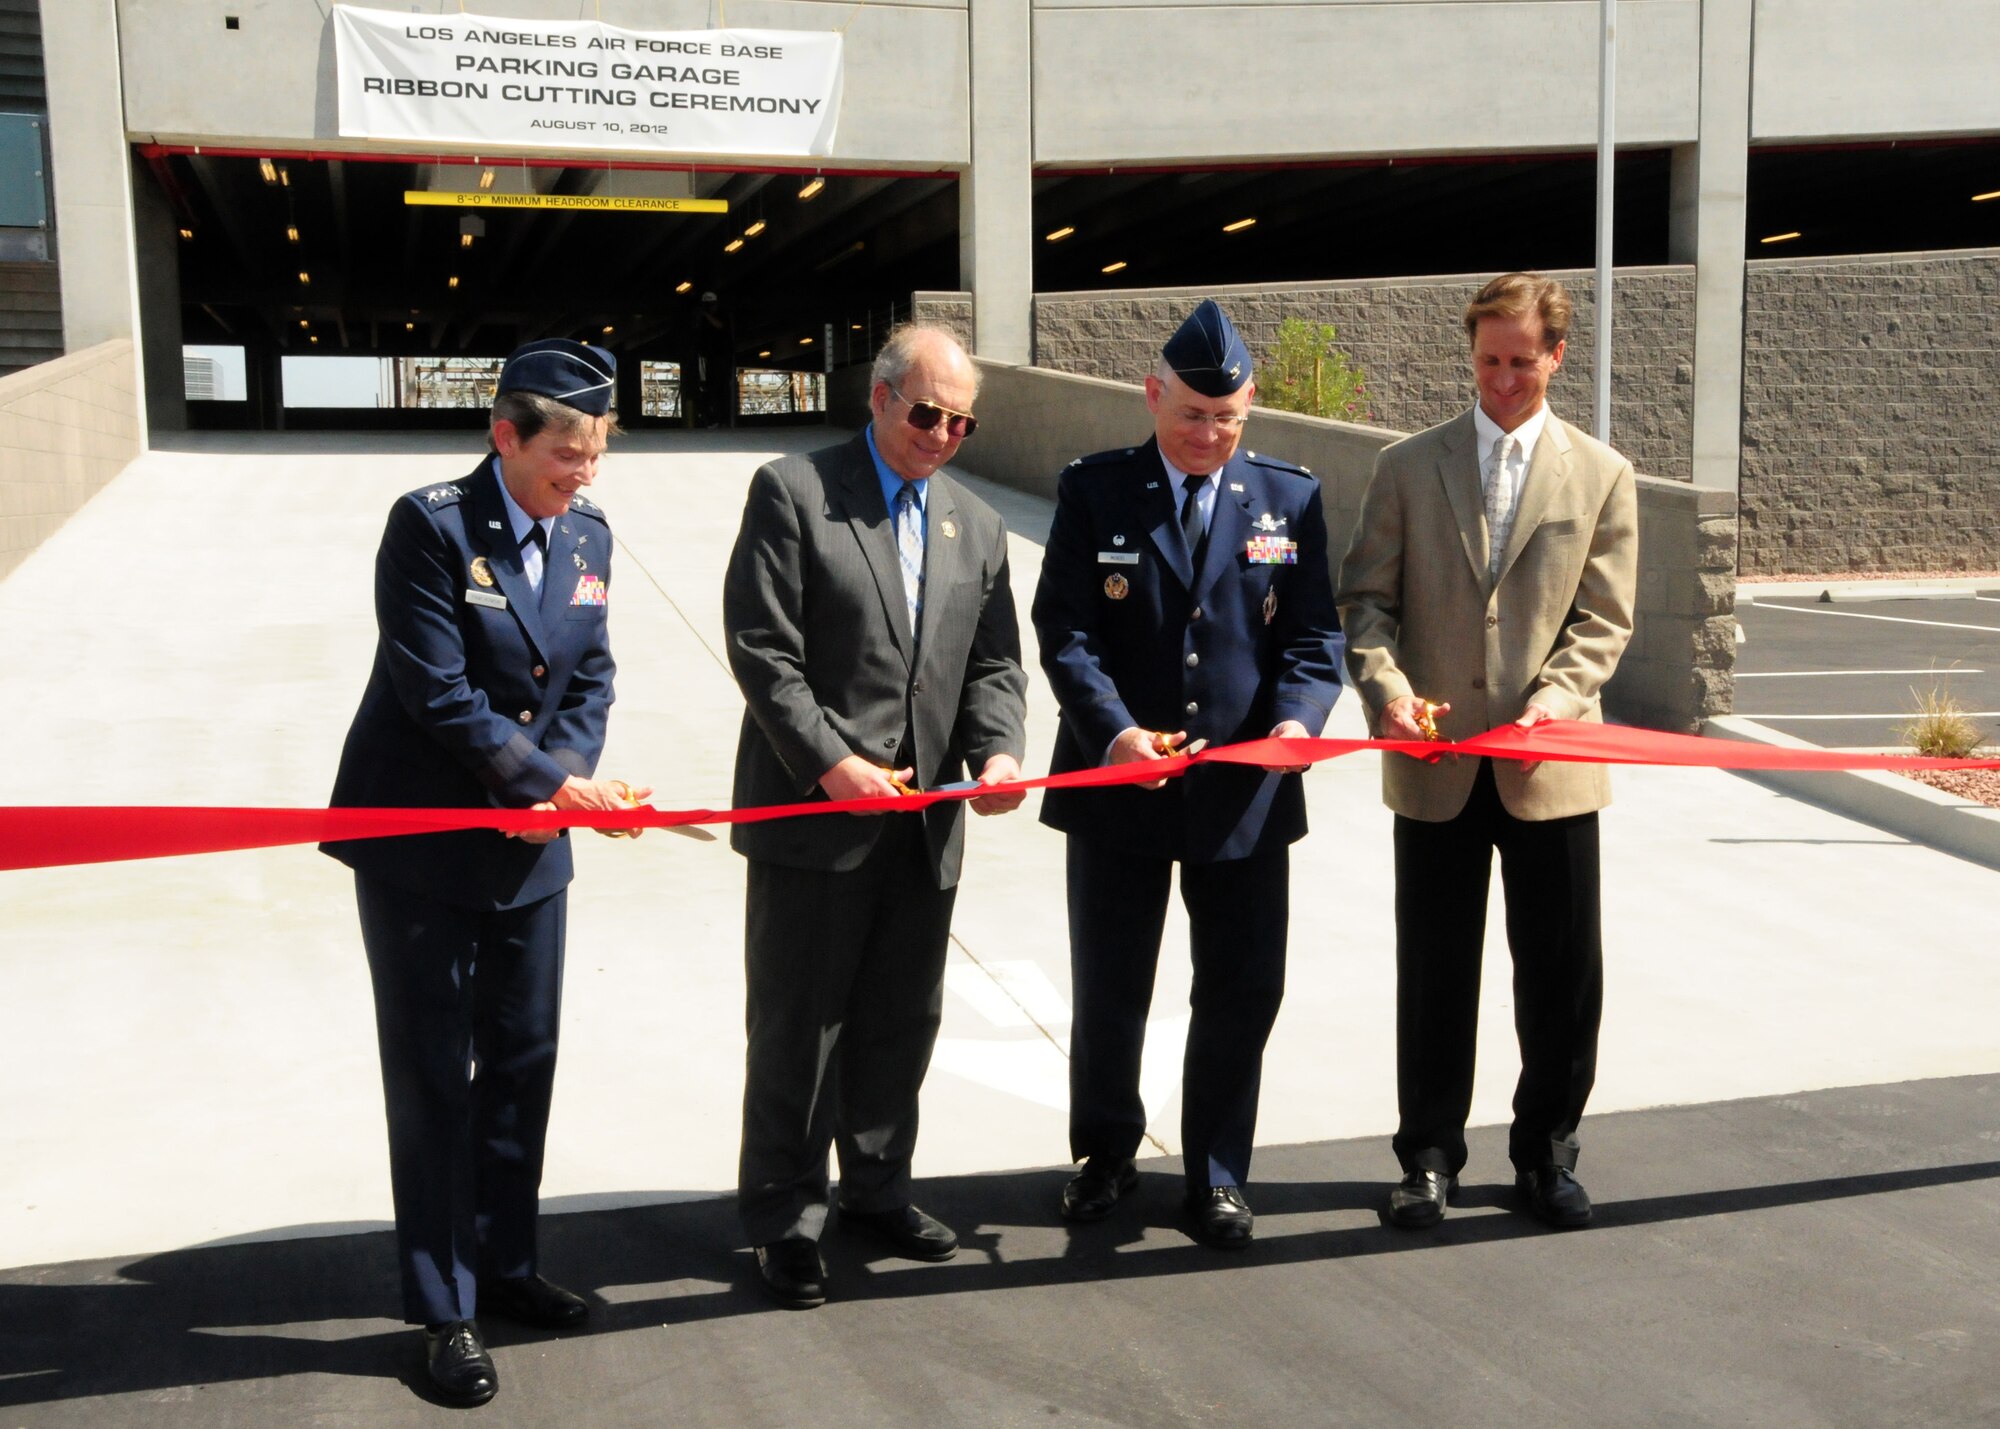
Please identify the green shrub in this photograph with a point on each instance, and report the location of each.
(1309, 374)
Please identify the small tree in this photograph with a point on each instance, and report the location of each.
(1309, 374)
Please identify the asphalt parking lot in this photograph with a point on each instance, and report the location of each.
(1847, 673)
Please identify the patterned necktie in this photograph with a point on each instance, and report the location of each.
(533, 563)
(1499, 505)
(910, 550)
(1191, 513)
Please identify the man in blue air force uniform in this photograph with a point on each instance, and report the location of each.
(490, 689)
(1185, 596)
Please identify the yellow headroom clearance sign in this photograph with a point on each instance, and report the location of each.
(597, 203)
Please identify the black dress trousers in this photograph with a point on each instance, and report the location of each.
(467, 1009)
(1549, 875)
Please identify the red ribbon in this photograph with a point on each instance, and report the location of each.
(57, 836)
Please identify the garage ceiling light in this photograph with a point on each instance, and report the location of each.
(683, 287)
(409, 327)
(269, 170)
(765, 353)
(608, 330)
(304, 323)
(315, 337)
(1112, 267)
(453, 281)
(485, 180)
(754, 229)
(811, 187)
(1780, 237)
(305, 278)
(1982, 198)
(291, 233)
(1238, 226)
(805, 342)
(1059, 235)
(187, 233)
(732, 245)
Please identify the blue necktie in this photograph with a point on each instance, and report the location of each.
(910, 550)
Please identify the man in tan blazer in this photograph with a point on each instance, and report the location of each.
(1491, 579)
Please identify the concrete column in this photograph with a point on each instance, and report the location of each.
(164, 370)
(1707, 215)
(996, 254)
(93, 191)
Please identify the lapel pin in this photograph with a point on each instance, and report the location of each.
(1116, 586)
(950, 528)
(493, 525)
(574, 556)
(1117, 540)
(1236, 486)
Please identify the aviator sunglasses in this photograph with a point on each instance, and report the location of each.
(925, 415)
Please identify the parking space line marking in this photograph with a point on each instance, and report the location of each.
(1904, 715)
(1819, 674)
(1892, 619)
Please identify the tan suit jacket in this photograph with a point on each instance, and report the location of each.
(1422, 618)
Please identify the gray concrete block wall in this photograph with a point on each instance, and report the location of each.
(1406, 336)
(1679, 670)
(1871, 414)
(66, 428)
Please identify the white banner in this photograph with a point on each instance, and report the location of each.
(581, 84)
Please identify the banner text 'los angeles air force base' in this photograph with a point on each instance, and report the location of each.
(570, 84)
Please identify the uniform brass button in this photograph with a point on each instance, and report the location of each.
(888, 744)
(1195, 614)
(1478, 683)
(1193, 660)
(527, 716)
(541, 670)
(1491, 621)
(1193, 707)
(917, 688)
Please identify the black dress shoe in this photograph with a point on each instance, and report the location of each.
(1221, 1217)
(1419, 1199)
(1555, 1197)
(1102, 1183)
(461, 1370)
(531, 1300)
(793, 1272)
(908, 1230)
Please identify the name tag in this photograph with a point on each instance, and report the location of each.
(1118, 558)
(492, 600)
(1273, 551)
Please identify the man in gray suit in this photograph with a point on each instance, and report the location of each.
(872, 631)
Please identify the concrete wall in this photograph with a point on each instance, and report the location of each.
(1871, 414)
(1133, 83)
(1405, 335)
(271, 81)
(1865, 69)
(66, 428)
(1679, 670)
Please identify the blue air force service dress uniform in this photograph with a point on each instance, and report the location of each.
(487, 692)
(1226, 641)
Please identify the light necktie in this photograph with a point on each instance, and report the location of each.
(1191, 526)
(534, 554)
(910, 550)
(1499, 505)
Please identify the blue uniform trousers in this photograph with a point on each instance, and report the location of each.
(1238, 910)
(467, 1006)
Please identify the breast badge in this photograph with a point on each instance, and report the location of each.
(1270, 605)
(482, 573)
(1116, 586)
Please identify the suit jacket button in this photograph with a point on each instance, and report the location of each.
(541, 670)
(1491, 621)
(1478, 683)
(527, 716)
(917, 688)
(1193, 660)
(888, 744)
(1193, 707)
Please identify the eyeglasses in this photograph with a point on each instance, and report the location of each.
(1227, 423)
(926, 415)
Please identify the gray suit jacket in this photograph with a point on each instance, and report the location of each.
(819, 642)
(1422, 618)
